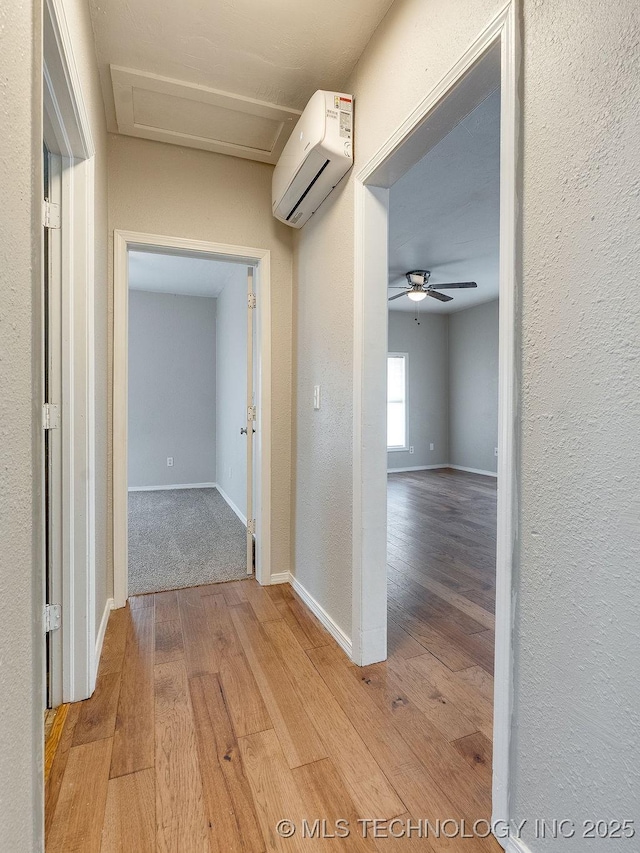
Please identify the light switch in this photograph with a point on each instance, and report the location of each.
(316, 397)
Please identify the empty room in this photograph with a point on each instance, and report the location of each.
(442, 429)
(187, 455)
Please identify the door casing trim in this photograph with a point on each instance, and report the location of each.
(261, 259)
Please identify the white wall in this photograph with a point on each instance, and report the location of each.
(473, 387)
(577, 697)
(575, 747)
(172, 389)
(21, 565)
(164, 189)
(428, 420)
(231, 389)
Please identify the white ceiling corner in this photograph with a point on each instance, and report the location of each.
(167, 110)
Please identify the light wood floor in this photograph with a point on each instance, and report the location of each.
(220, 710)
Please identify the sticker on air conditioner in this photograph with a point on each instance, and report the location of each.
(345, 124)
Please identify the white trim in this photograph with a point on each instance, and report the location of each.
(122, 240)
(67, 131)
(321, 614)
(170, 486)
(108, 607)
(416, 468)
(370, 338)
(280, 577)
(235, 508)
(473, 470)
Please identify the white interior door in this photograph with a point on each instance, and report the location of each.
(250, 425)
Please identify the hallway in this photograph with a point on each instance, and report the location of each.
(223, 709)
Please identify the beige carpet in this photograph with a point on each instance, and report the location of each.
(183, 537)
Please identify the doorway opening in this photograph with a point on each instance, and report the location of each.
(490, 64)
(190, 390)
(192, 417)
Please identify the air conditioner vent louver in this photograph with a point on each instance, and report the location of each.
(306, 193)
(316, 157)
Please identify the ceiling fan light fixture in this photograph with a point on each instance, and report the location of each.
(416, 295)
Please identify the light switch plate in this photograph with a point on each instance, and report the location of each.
(316, 397)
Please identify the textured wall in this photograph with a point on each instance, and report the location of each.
(577, 740)
(473, 387)
(172, 389)
(231, 389)
(179, 192)
(21, 582)
(428, 387)
(321, 496)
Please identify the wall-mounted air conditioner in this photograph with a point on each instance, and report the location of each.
(317, 155)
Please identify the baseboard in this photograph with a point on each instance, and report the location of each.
(327, 622)
(280, 577)
(473, 470)
(174, 486)
(513, 845)
(415, 468)
(108, 607)
(237, 510)
(436, 467)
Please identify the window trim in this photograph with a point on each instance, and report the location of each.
(404, 448)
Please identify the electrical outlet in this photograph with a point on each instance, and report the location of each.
(169, 461)
(495, 451)
(432, 446)
(411, 449)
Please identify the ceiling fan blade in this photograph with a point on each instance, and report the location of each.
(397, 287)
(455, 284)
(441, 296)
(397, 296)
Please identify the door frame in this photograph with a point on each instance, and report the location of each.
(261, 260)
(67, 133)
(370, 351)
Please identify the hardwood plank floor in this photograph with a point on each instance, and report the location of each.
(223, 709)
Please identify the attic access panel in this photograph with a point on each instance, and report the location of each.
(167, 110)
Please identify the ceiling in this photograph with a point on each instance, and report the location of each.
(444, 214)
(181, 274)
(229, 75)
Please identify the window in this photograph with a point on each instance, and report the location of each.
(397, 400)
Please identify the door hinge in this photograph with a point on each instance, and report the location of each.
(251, 413)
(251, 526)
(50, 214)
(52, 617)
(251, 301)
(50, 416)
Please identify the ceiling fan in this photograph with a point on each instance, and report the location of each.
(418, 287)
